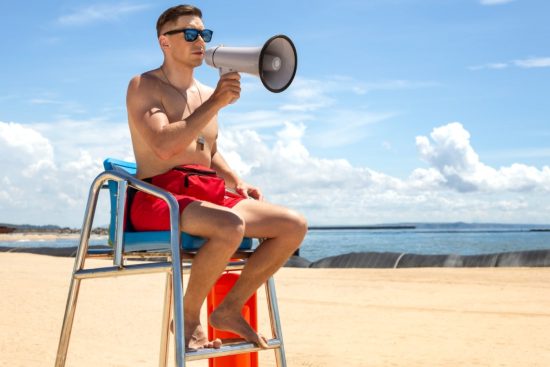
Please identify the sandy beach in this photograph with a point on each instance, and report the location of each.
(331, 317)
(20, 236)
(42, 236)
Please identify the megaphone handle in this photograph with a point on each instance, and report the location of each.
(224, 71)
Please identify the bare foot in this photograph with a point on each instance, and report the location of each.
(233, 321)
(195, 338)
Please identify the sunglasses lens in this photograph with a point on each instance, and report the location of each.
(190, 34)
(206, 35)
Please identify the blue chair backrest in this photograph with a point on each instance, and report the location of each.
(115, 164)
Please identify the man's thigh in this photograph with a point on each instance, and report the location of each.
(263, 219)
(201, 218)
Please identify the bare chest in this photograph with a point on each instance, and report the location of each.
(178, 106)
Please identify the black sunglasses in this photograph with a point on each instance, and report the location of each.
(191, 34)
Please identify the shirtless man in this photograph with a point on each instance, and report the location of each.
(173, 122)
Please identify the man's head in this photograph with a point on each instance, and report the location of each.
(182, 35)
(172, 14)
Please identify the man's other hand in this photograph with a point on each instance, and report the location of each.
(249, 191)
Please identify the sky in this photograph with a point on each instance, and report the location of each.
(400, 111)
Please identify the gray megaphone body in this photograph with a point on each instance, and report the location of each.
(274, 63)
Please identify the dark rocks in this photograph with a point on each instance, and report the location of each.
(359, 260)
(297, 262)
(534, 258)
(4, 229)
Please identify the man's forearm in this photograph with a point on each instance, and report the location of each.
(224, 171)
(176, 137)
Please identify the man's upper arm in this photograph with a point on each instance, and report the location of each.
(145, 109)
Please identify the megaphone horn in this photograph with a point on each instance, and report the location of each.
(274, 63)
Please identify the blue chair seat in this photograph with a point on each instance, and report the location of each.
(160, 241)
(149, 240)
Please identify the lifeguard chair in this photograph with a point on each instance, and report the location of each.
(173, 252)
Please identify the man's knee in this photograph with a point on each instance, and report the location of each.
(230, 227)
(295, 224)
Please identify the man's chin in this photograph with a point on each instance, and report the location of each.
(197, 63)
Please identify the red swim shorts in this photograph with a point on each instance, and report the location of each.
(187, 183)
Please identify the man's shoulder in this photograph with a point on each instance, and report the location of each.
(143, 83)
(148, 77)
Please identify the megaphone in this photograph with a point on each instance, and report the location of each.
(274, 63)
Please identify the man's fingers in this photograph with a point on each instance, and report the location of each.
(256, 194)
(242, 191)
(232, 75)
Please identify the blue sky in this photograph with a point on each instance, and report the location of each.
(401, 110)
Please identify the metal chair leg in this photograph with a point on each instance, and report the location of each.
(67, 323)
(167, 316)
(78, 265)
(177, 303)
(275, 319)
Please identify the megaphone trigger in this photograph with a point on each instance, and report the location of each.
(224, 71)
(274, 63)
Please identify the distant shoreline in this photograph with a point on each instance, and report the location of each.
(360, 227)
(53, 230)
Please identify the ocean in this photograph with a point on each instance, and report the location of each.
(424, 239)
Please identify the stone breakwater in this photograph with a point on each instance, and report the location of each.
(535, 258)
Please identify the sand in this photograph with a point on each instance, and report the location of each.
(331, 317)
(20, 236)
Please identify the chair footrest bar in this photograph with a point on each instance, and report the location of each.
(111, 271)
(230, 349)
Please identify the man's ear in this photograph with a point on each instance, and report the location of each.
(164, 42)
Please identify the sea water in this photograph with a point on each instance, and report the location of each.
(320, 243)
(324, 243)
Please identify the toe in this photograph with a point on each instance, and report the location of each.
(262, 341)
(217, 343)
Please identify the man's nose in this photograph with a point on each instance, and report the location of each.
(200, 39)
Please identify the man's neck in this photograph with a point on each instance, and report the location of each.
(179, 76)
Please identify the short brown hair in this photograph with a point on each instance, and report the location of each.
(172, 14)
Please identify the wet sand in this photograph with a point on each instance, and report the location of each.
(331, 317)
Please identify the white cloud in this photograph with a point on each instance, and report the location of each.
(44, 101)
(99, 13)
(313, 103)
(343, 127)
(495, 65)
(457, 186)
(451, 154)
(392, 85)
(534, 62)
(260, 119)
(520, 153)
(47, 169)
(495, 2)
(309, 95)
(312, 95)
